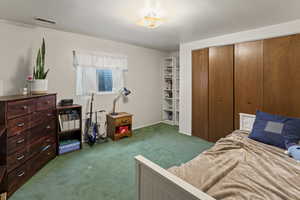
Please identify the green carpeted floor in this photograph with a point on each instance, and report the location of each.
(106, 171)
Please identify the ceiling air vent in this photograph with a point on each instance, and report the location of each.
(47, 21)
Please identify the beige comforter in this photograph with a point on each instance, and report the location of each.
(240, 168)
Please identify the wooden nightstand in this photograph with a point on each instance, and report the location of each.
(115, 124)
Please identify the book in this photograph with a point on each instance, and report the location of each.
(69, 121)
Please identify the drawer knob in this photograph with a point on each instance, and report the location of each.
(21, 174)
(48, 127)
(20, 124)
(49, 114)
(21, 157)
(20, 141)
(25, 107)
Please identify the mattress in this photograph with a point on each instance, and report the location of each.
(239, 168)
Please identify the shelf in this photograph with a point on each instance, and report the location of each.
(68, 107)
(129, 124)
(170, 75)
(69, 131)
(69, 134)
(69, 152)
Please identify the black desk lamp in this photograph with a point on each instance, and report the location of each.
(123, 92)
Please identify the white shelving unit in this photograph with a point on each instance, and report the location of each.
(170, 97)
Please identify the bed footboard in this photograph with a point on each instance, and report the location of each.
(155, 183)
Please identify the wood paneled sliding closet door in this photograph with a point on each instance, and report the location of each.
(200, 93)
(220, 92)
(282, 75)
(248, 79)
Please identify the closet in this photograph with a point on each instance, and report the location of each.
(220, 92)
(282, 75)
(242, 78)
(248, 82)
(200, 94)
(212, 99)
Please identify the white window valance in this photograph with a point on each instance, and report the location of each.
(87, 64)
(99, 60)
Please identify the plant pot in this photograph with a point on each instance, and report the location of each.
(39, 86)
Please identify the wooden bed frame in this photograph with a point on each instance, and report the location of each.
(155, 183)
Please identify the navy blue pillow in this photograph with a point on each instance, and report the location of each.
(276, 130)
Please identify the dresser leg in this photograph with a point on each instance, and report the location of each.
(3, 196)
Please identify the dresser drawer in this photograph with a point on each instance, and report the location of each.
(17, 142)
(17, 177)
(123, 121)
(41, 117)
(42, 158)
(41, 145)
(18, 125)
(49, 114)
(19, 108)
(16, 159)
(45, 129)
(46, 103)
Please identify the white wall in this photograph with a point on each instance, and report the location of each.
(18, 45)
(174, 53)
(185, 123)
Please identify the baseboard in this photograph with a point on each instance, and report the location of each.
(146, 125)
(139, 127)
(185, 133)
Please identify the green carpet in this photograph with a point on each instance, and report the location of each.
(106, 171)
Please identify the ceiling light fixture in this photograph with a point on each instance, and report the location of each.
(151, 19)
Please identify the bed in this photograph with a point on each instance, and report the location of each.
(236, 167)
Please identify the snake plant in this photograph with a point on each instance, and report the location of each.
(39, 69)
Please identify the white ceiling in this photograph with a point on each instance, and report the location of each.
(186, 20)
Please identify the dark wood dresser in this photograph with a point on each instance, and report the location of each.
(29, 140)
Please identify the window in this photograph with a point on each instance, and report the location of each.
(105, 80)
(99, 73)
